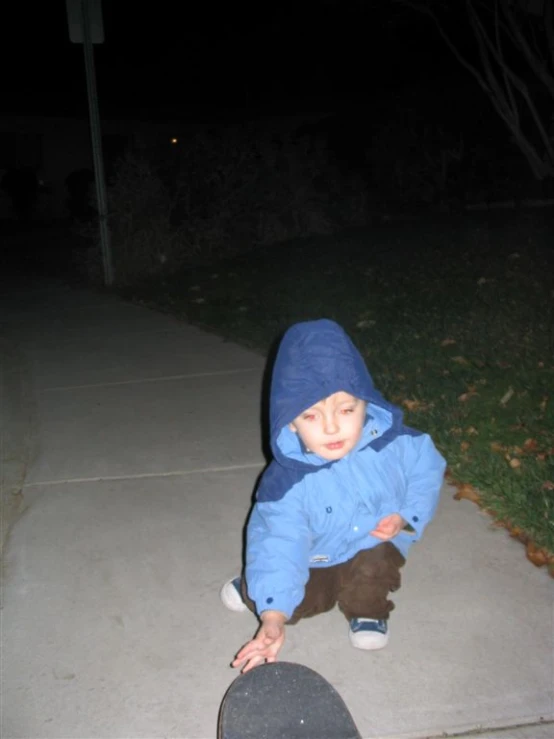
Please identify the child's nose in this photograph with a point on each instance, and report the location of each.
(330, 425)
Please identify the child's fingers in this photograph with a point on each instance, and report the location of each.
(249, 649)
(249, 664)
(379, 534)
(265, 646)
(242, 659)
(251, 658)
(252, 649)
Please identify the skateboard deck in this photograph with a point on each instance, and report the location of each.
(284, 700)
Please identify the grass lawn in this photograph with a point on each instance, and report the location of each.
(456, 321)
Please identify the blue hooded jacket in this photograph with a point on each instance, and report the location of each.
(311, 512)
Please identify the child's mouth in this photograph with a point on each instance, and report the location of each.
(334, 445)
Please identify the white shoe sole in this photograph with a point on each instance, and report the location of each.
(370, 640)
(231, 599)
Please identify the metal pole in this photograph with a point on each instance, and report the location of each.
(97, 147)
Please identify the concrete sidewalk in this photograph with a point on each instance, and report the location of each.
(136, 443)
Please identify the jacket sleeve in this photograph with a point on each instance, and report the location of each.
(277, 554)
(424, 468)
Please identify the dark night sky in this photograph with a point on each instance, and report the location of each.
(290, 56)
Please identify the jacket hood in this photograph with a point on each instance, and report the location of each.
(315, 359)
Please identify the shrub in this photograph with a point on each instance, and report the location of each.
(224, 191)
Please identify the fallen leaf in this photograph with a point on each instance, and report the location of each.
(548, 485)
(459, 360)
(472, 431)
(530, 445)
(365, 323)
(464, 446)
(464, 397)
(496, 446)
(448, 342)
(515, 463)
(543, 403)
(414, 405)
(506, 397)
(467, 492)
(537, 556)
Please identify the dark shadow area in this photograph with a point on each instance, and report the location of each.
(53, 249)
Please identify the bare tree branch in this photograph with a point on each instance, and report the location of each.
(453, 48)
(497, 94)
(549, 28)
(540, 53)
(512, 78)
(501, 94)
(507, 84)
(538, 68)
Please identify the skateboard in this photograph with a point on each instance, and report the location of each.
(284, 700)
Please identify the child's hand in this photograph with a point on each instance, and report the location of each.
(265, 646)
(389, 527)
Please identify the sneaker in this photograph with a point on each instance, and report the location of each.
(231, 597)
(368, 633)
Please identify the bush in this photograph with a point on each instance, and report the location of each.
(224, 191)
(255, 187)
(415, 163)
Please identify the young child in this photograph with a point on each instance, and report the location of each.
(349, 490)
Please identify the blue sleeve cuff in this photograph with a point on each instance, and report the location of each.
(416, 521)
(283, 602)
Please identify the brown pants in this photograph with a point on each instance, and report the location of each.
(359, 586)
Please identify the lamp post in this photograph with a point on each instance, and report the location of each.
(86, 27)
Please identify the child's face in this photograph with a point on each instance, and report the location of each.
(332, 427)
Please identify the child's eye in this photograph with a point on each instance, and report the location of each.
(308, 417)
(346, 411)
